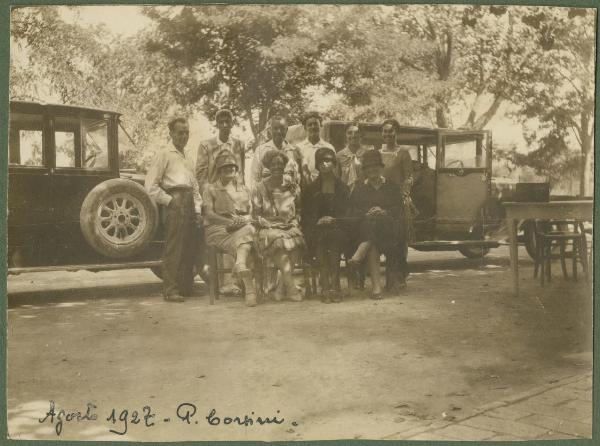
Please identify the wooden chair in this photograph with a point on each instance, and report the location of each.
(213, 265)
(560, 232)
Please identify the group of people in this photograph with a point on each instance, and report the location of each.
(306, 204)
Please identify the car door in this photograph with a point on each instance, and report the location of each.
(462, 184)
(30, 217)
(81, 162)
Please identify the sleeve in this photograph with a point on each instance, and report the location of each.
(256, 201)
(154, 178)
(197, 197)
(407, 172)
(355, 203)
(343, 199)
(207, 197)
(241, 152)
(307, 210)
(202, 165)
(256, 167)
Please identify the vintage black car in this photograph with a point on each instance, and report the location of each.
(69, 206)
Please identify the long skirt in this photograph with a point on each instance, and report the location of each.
(229, 242)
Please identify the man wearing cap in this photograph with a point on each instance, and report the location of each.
(208, 150)
(171, 183)
(258, 171)
(312, 122)
(349, 158)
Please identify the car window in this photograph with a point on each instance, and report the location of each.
(463, 155)
(25, 139)
(95, 143)
(66, 141)
(81, 143)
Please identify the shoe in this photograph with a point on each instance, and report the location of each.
(250, 299)
(174, 298)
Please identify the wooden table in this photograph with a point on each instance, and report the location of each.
(558, 210)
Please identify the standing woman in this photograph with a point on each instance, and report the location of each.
(279, 237)
(398, 168)
(324, 201)
(228, 220)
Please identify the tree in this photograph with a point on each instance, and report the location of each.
(559, 88)
(220, 56)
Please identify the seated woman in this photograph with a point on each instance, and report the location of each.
(227, 220)
(323, 201)
(279, 237)
(378, 203)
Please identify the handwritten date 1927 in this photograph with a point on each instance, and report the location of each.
(134, 417)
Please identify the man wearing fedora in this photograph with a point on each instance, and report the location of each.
(171, 183)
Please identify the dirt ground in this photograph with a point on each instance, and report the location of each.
(454, 340)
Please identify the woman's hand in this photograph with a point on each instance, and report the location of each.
(326, 220)
(376, 211)
(263, 223)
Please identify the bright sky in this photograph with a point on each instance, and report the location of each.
(125, 20)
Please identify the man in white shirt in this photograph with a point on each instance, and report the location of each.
(312, 122)
(171, 183)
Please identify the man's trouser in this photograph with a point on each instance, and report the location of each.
(179, 253)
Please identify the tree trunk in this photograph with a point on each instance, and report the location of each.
(253, 127)
(441, 117)
(586, 156)
(478, 123)
(586, 167)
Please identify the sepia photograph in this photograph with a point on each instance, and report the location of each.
(300, 222)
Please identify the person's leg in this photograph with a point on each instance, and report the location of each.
(279, 263)
(188, 255)
(334, 269)
(173, 247)
(244, 274)
(374, 266)
(287, 270)
(323, 262)
(241, 257)
(361, 252)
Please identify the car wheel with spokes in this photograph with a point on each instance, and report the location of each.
(118, 218)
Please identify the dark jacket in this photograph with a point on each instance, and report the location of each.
(316, 205)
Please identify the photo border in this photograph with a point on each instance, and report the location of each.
(5, 7)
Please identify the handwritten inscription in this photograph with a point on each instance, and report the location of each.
(121, 420)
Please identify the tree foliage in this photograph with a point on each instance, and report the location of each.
(435, 65)
(221, 56)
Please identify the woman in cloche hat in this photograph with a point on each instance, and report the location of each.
(227, 216)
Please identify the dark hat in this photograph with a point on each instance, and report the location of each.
(322, 154)
(372, 158)
(225, 158)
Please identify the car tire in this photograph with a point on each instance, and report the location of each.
(118, 218)
(473, 253)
